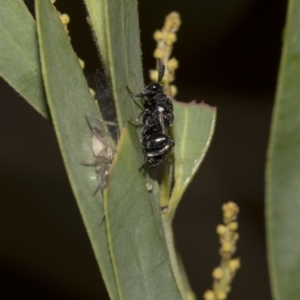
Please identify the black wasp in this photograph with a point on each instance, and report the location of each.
(157, 116)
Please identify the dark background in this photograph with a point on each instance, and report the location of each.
(229, 54)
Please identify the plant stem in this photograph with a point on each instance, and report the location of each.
(167, 222)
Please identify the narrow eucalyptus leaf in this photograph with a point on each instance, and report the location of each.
(69, 99)
(20, 62)
(283, 168)
(137, 244)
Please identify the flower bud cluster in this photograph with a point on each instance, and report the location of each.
(165, 39)
(225, 272)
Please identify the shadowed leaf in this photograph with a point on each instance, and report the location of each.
(115, 26)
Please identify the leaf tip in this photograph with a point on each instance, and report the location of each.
(195, 103)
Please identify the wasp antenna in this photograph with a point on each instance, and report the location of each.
(161, 70)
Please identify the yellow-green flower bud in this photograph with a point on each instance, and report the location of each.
(81, 62)
(221, 295)
(172, 64)
(173, 90)
(226, 247)
(217, 273)
(93, 93)
(171, 37)
(221, 229)
(234, 264)
(153, 75)
(209, 295)
(158, 35)
(233, 226)
(65, 19)
(158, 53)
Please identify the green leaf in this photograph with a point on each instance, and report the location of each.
(283, 168)
(69, 99)
(115, 26)
(192, 131)
(137, 244)
(20, 62)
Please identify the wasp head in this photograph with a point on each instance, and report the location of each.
(150, 90)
